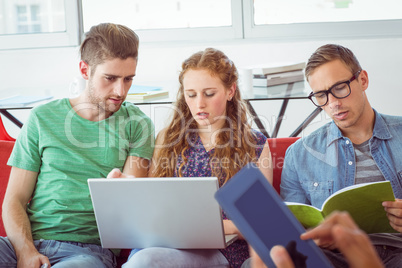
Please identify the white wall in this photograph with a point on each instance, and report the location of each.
(50, 71)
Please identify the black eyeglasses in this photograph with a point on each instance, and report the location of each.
(340, 91)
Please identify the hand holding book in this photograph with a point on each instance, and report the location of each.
(362, 201)
(394, 210)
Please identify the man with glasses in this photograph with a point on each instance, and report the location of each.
(340, 90)
(360, 145)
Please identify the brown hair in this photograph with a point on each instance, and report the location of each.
(235, 141)
(330, 52)
(108, 41)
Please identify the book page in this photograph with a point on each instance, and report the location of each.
(307, 215)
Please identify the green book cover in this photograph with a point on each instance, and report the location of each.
(362, 201)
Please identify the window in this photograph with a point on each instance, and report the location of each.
(178, 20)
(28, 19)
(322, 18)
(38, 23)
(55, 23)
(169, 20)
(316, 11)
(159, 14)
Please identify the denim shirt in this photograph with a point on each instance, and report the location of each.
(323, 162)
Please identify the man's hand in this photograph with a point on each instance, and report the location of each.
(255, 261)
(116, 173)
(34, 260)
(340, 229)
(394, 213)
(279, 256)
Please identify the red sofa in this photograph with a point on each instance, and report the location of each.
(3, 132)
(278, 148)
(5, 150)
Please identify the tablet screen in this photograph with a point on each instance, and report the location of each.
(273, 226)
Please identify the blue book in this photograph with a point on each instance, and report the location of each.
(264, 220)
(21, 100)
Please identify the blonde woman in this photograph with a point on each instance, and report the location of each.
(209, 135)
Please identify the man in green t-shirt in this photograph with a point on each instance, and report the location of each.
(47, 210)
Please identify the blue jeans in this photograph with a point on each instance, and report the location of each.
(390, 256)
(62, 254)
(176, 258)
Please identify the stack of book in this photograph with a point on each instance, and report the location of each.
(142, 93)
(278, 74)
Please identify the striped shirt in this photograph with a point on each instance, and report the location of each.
(366, 168)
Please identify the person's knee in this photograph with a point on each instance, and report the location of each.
(88, 261)
(145, 258)
(173, 258)
(7, 253)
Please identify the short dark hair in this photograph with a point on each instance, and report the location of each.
(330, 52)
(107, 41)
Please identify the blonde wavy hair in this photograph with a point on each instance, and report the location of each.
(235, 142)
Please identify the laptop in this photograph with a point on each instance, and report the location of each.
(158, 212)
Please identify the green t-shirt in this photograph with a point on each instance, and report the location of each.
(66, 149)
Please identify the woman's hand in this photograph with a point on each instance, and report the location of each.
(230, 228)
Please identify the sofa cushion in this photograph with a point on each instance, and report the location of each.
(3, 132)
(278, 147)
(5, 150)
